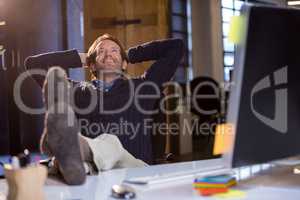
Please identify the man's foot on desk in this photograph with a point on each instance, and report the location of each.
(61, 132)
(55, 89)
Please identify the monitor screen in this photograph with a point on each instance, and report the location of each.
(264, 103)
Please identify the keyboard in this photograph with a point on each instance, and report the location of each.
(168, 177)
(292, 161)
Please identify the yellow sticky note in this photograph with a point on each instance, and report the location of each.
(231, 194)
(223, 138)
(7, 166)
(236, 29)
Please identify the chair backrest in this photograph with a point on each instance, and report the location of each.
(65, 59)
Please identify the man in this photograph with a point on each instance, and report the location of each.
(78, 148)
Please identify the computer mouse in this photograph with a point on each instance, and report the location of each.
(122, 192)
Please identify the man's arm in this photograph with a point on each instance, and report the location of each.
(167, 54)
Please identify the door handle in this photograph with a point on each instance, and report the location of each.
(127, 22)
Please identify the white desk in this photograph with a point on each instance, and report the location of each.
(276, 183)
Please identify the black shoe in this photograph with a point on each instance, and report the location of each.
(61, 129)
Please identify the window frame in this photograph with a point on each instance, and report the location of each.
(181, 12)
(235, 9)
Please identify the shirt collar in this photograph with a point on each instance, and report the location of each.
(103, 85)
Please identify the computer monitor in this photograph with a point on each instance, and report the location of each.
(264, 104)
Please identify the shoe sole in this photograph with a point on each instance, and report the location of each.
(62, 136)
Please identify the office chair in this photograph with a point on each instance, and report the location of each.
(65, 59)
(199, 106)
(159, 137)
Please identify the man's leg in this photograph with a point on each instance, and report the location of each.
(87, 156)
(108, 153)
(61, 133)
(105, 151)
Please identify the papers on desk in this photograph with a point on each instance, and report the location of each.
(214, 184)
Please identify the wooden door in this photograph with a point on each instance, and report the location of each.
(132, 21)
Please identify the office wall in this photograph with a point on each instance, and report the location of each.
(32, 27)
(40, 22)
(207, 51)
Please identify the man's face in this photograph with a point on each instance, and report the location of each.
(108, 56)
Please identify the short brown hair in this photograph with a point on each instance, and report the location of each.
(92, 53)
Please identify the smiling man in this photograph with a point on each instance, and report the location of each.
(107, 55)
(79, 150)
